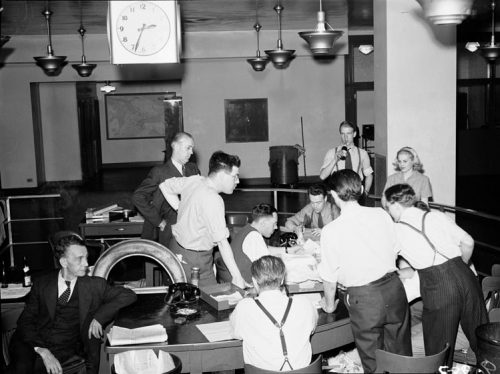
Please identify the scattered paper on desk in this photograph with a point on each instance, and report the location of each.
(217, 331)
(143, 361)
(314, 298)
(14, 292)
(310, 246)
(231, 298)
(147, 334)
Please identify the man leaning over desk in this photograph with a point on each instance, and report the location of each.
(201, 222)
(316, 214)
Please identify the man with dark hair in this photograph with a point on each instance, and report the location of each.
(158, 214)
(65, 314)
(316, 214)
(348, 156)
(251, 322)
(201, 222)
(248, 244)
(358, 250)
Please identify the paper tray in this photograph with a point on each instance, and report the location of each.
(219, 289)
(296, 287)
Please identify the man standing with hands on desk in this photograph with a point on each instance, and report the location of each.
(348, 156)
(201, 222)
(158, 215)
(358, 250)
(65, 314)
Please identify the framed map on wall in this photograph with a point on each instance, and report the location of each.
(135, 115)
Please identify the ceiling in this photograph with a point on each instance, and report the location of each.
(23, 17)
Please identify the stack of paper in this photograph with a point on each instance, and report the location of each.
(148, 334)
(100, 214)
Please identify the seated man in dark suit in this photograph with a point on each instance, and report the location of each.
(65, 314)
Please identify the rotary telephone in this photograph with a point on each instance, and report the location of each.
(182, 294)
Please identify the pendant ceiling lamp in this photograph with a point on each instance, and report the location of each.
(83, 69)
(490, 51)
(442, 12)
(279, 56)
(258, 63)
(50, 64)
(321, 40)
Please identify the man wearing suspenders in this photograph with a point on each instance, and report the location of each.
(348, 156)
(275, 329)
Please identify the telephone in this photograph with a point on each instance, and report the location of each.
(288, 239)
(182, 294)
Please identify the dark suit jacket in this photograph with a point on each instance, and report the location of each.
(96, 298)
(150, 201)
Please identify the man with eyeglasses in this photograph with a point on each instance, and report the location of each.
(316, 214)
(201, 223)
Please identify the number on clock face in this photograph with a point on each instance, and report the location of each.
(143, 28)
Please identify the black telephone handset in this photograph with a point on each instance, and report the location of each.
(182, 294)
(288, 239)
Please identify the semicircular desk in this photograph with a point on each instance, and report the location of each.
(197, 354)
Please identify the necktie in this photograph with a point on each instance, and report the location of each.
(183, 170)
(320, 221)
(348, 160)
(63, 299)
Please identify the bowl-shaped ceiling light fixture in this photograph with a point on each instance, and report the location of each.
(321, 40)
(491, 50)
(279, 56)
(50, 64)
(83, 69)
(442, 12)
(258, 63)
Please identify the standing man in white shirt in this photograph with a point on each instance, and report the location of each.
(348, 156)
(358, 250)
(201, 223)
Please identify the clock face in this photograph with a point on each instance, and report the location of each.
(143, 28)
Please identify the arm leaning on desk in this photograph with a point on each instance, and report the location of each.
(196, 352)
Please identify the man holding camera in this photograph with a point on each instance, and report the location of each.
(348, 156)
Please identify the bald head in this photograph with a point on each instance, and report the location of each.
(182, 147)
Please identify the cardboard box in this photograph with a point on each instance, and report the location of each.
(208, 293)
(310, 287)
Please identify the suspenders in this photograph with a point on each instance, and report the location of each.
(422, 232)
(280, 327)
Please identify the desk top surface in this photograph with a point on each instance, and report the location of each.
(150, 309)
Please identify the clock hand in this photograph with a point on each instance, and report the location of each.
(140, 34)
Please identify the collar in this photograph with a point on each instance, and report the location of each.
(270, 294)
(61, 282)
(350, 207)
(177, 165)
(412, 215)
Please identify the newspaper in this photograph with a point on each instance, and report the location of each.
(148, 334)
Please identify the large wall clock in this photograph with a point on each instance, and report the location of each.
(144, 32)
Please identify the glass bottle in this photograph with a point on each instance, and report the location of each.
(4, 276)
(195, 276)
(26, 273)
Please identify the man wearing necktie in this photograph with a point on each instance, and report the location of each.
(348, 156)
(65, 314)
(316, 214)
(148, 199)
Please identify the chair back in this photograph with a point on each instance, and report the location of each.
(394, 363)
(495, 270)
(313, 368)
(490, 284)
(236, 219)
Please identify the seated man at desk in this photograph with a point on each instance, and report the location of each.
(316, 214)
(248, 244)
(253, 321)
(65, 314)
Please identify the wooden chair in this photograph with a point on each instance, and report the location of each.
(393, 363)
(490, 284)
(313, 368)
(495, 270)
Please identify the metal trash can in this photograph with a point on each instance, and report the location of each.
(488, 347)
(283, 162)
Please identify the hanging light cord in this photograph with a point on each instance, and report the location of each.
(493, 23)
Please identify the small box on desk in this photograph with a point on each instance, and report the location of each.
(208, 294)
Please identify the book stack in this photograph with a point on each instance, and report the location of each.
(100, 214)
